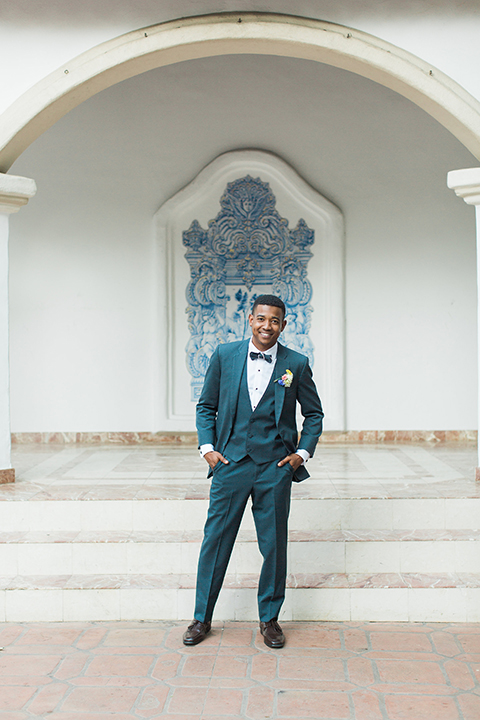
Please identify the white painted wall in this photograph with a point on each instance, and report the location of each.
(82, 277)
(81, 300)
(14, 193)
(4, 369)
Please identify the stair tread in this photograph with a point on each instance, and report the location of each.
(195, 536)
(313, 489)
(294, 580)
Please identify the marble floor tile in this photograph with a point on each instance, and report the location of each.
(42, 469)
(355, 471)
(99, 464)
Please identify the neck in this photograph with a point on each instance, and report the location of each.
(262, 349)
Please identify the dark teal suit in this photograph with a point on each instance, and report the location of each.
(253, 442)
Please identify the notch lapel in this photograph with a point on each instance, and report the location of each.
(238, 361)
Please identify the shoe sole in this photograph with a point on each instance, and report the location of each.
(273, 647)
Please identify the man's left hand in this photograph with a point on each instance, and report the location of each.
(294, 460)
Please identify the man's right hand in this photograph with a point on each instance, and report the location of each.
(213, 457)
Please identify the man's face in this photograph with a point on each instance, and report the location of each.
(267, 323)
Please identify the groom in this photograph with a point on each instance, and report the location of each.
(247, 434)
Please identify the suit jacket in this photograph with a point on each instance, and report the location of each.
(217, 405)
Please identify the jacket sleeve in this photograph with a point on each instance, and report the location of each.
(312, 411)
(207, 406)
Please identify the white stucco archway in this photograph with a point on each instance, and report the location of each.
(226, 34)
(237, 33)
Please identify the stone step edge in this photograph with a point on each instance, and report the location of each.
(165, 438)
(12, 494)
(294, 581)
(180, 536)
(31, 492)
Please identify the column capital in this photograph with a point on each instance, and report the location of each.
(466, 184)
(15, 192)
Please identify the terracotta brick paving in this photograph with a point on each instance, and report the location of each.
(327, 671)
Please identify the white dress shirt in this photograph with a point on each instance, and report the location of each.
(259, 373)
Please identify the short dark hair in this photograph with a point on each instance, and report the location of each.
(271, 300)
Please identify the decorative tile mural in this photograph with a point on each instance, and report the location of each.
(247, 250)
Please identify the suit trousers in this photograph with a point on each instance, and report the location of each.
(269, 487)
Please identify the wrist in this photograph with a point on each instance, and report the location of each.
(205, 448)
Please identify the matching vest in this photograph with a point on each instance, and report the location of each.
(254, 431)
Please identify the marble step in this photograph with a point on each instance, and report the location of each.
(307, 514)
(176, 552)
(441, 597)
(110, 533)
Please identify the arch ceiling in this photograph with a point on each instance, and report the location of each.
(241, 33)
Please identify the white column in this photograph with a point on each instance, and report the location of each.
(14, 192)
(466, 184)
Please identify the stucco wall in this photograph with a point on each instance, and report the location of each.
(36, 39)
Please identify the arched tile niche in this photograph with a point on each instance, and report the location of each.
(246, 225)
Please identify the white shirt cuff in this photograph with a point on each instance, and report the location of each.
(304, 454)
(208, 447)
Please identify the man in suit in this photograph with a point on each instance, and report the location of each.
(246, 423)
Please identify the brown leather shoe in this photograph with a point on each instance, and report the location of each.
(196, 632)
(272, 634)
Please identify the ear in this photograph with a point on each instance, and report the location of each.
(250, 319)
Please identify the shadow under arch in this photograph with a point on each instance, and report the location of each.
(237, 33)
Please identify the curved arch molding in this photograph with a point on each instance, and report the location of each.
(240, 33)
(245, 225)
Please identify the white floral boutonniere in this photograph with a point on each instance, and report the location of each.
(285, 380)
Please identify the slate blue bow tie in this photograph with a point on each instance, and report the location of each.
(261, 356)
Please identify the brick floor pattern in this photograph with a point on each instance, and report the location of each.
(326, 671)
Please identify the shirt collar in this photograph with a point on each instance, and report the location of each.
(271, 351)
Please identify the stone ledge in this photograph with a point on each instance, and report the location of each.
(406, 437)
(294, 581)
(160, 537)
(354, 437)
(106, 438)
(7, 476)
